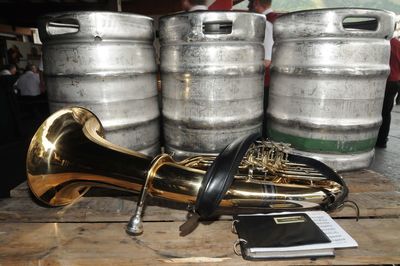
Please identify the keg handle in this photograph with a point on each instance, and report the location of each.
(379, 22)
(362, 23)
(61, 26)
(217, 27)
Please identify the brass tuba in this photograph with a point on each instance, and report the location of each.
(68, 155)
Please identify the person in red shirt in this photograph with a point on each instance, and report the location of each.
(392, 87)
(221, 5)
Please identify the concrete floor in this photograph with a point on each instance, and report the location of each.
(387, 161)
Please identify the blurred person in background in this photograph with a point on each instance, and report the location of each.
(264, 7)
(194, 5)
(392, 88)
(32, 97)
(41, 75)
(14, 55)
(29, 82)
(9, 70)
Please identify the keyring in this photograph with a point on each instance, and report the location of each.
(235, 245)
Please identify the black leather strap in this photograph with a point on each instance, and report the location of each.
(219, 176)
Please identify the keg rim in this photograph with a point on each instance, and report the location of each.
(126, 14)
(336, 9)
(211, 12)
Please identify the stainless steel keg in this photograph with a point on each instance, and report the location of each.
(328, 82)
(105, 62)
(212, 79)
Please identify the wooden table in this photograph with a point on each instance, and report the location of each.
(91, 232)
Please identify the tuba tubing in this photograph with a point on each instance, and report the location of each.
(68, 155)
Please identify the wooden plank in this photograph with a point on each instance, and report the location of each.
(374, 204)
(369, 181)
(109, 209)
(90, 209)
(15, 30)
(23, 191)
(23, 31)
(358, 181)
(6, 28)
(20, 191)
(107, 243)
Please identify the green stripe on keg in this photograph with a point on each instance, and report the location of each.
(324, 146)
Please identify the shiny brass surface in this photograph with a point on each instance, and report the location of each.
(68, 155)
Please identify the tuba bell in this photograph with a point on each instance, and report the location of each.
(68, 155)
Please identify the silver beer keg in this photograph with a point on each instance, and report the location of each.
(105, 62)
(328, 82)
(212, 79)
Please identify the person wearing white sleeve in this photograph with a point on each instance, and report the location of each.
(264, 7)
(29, 82)
(268, 40)
(31, 98)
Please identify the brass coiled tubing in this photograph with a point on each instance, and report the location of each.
(68, 155)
